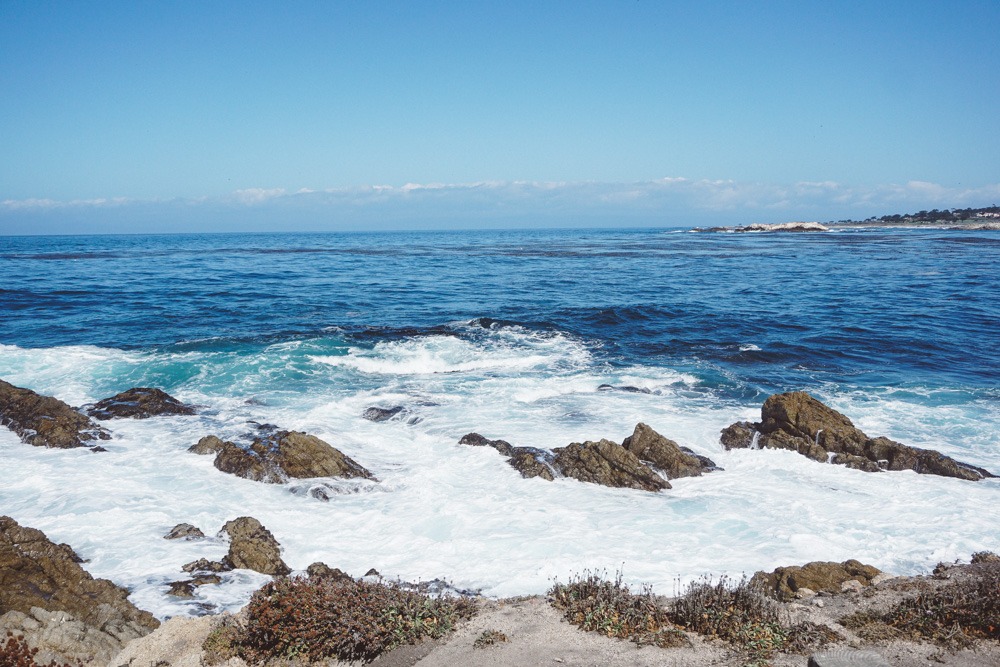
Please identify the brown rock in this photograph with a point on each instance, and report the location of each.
(665, 454)
(207, 445)
(799, 422)
(253, 547)
(139, 403)
(44, 421)
(205, 565)
(44, 581)
(324, 571)
(829, 577)
(184, 531)
(606, 463)
(276, 457)
(529, 461)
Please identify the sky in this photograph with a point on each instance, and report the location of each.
(228, 116)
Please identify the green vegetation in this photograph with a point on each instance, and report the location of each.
(935, 216)
(314, 619)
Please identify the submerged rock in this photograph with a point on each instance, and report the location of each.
(817, 576)
(529, 461)
(57, 605)
(139, 403)
(45, 421)
(799, 422)
(253, 547)
(276, 457)
(607, 463)
(377, 414)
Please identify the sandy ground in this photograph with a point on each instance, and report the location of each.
(537, 635)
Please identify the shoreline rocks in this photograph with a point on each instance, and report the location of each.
(789, 583)
(797, 421)
(251, 547)
(139, 403)
(57, 605)
(44, 421)
(275, 457)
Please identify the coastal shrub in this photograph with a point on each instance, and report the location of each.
(312, 619)
(222, 642)
(966, 608)
(737, 612)
(14, 652)
(489, 638)
(597, 605)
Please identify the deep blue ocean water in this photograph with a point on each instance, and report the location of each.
(509, 333)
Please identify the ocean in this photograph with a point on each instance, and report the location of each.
(509, 334)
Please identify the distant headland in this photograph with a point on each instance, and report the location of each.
(987, 218)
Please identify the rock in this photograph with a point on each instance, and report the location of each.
(818, 576)
(253, 547)
(184, 531)
(529, 461)
(799, 422)
(282, 455)
(207, 445)
(176, 643)
(139, 403)
(44, 421)
(377, 414)
(181, 589)
(324, 571)
(625, 388)
(665, 454)
(606, 463)
(784, 227)
(847, 657)
(205, 565)
(57, 605)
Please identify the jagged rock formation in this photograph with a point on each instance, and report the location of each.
(817, 576)
(324, 571)
(799, 422)
(665, 454)
(57, 605)
(45, 421)
(606, 462)
(276, 457)
(251, 547)
(529, 461)
(139, 403)
(184, 531)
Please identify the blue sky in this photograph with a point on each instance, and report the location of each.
(179, 116)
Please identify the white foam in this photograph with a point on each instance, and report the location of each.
(445, 510)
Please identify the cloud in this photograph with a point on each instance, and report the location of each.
(667, 201)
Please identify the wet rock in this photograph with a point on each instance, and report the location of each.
(665, 454)
(184, 531)
(625, 388)
(817, 576)
(44, 421)
(253, 547)
(377, 414)
(57, 605)
(185, 588)
(324, 571)
(607, 463)
(799, 422)
(529, 461)
(282, 455)
(207, 445)
(139, 403)
(205, 565)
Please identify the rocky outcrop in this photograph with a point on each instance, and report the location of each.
(184, 531)
(529, 461)
(665, 454)
(817, 576)
(377, 414)
(799, 422)
(44, 421)
(139, 403)
(276, 457)
(57, 605)
(253, 547)
(324, 571)
(607, 463)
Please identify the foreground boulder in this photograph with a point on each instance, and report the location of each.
(640, 462)
(62, 610)
(819, 576)
(251, 547)
(45, 421)
(276, 457)
(799, 422)
(139, 403)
